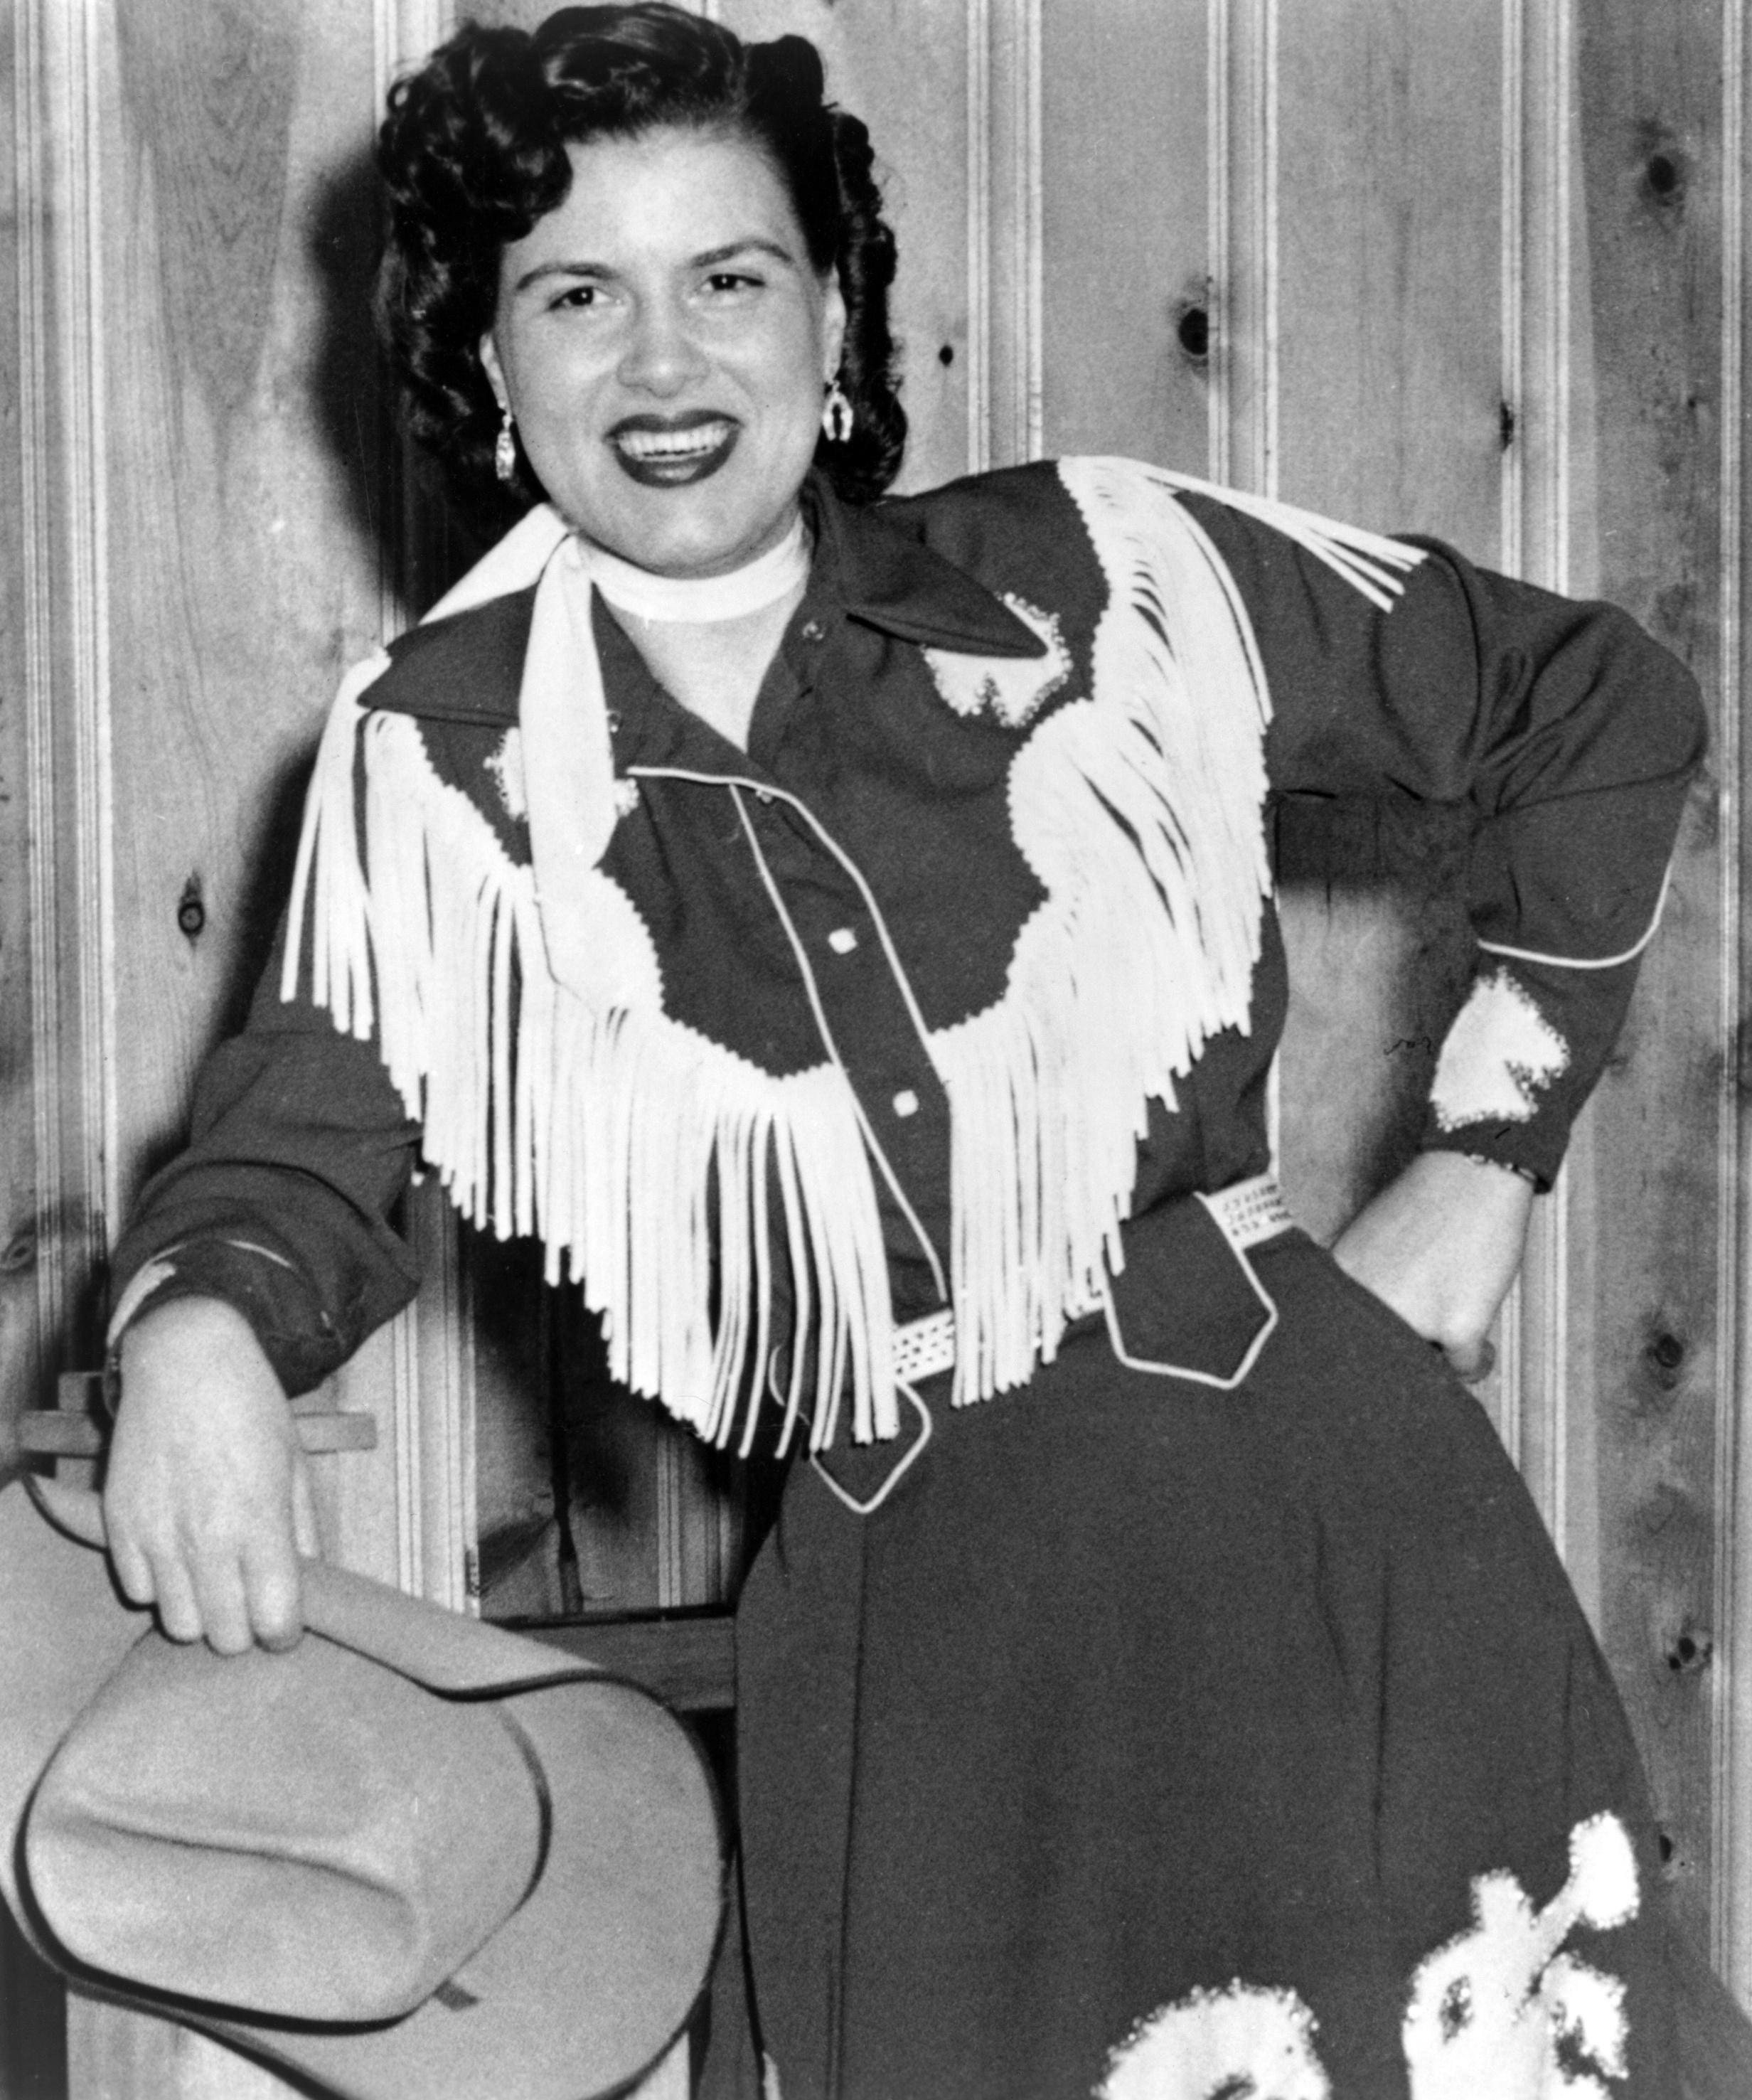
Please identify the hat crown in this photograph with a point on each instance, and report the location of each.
(408, 1822)
(303, 1835)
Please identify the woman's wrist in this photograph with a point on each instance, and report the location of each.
(1504, 1167)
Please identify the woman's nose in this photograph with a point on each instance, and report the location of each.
(662, 356)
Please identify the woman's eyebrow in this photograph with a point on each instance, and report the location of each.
(708, 259)
(541, 270)
(754, 244)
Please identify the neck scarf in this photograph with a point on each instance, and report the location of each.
(696, 600)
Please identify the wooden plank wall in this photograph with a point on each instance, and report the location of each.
(1472, 270)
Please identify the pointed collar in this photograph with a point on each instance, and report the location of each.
(466, 666)
(891, 579)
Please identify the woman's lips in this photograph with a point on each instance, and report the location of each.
(668, 454)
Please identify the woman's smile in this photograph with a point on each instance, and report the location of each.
(668, 452)
(664, 342)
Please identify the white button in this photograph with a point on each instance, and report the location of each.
(842, 940)
(906, 1102)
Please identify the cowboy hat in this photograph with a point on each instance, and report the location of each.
(414, 1858)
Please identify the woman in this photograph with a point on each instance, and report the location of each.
(841, 933)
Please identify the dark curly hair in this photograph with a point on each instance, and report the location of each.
(473, 153)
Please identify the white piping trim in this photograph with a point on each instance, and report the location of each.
(1587, 961)
(1237, 1377)
(151, 1275)
(820, 1012)
(892, 1481)
(763, 789)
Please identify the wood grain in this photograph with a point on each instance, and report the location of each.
(1126, 268)
(1651, 129)
(32, 2010)
(239, 477)
(249, 576)
(1389, 182)
(1385, 364)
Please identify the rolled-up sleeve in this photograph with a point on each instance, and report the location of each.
(282, 1205)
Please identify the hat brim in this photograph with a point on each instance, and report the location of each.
(589, 1982)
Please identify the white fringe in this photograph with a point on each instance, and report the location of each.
(643, 1155)
(1140, 810)
(650, 1161)
(1370, 561)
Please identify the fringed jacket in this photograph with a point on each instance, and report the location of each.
(967, 963)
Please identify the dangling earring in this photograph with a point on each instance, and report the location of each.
(505, 452)
(836, 414)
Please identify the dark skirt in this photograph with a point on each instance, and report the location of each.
(1148, 1739)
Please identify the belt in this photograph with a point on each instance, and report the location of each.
(1247, 1212)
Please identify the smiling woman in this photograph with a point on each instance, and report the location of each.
(840, 931)
(664, 343)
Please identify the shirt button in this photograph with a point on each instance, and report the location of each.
(906, 1102)
(813, 630)
(842, 940)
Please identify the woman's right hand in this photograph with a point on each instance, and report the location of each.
(208, 1499)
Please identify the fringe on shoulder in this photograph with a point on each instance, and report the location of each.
(659, 1169)
(668, 1175)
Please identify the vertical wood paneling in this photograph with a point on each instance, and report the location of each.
(1648, 1213)
(904, 70)
(1388, 191)
(1123, 238)
(32, 2004)
(1242, 187)
(63, 516)
(64, 631)
(1363, 267)
(1539, 1371)
(251, 579)
(1005, 232)
(1732, 1788)
(420, 1376)
(235, 468)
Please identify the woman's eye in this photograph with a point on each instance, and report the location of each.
(722, 281)
(577, 297)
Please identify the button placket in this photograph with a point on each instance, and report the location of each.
(862, 1005)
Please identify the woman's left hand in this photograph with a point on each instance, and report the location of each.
(1441, 1245)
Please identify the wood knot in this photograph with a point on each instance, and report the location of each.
(1192, 327)
(1690, 1651)
(1665, 1354)
(1664, 176)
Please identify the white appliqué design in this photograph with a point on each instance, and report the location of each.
(1241, 2043)
(1489, 2010)
(529, 1035)
(1499, 2013)
(506, 764)
(1012, 688)
(1500, 1054)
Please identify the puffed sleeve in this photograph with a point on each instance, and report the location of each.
(1569, 734)
(299, 1152)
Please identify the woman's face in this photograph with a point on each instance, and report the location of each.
(663, 341)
